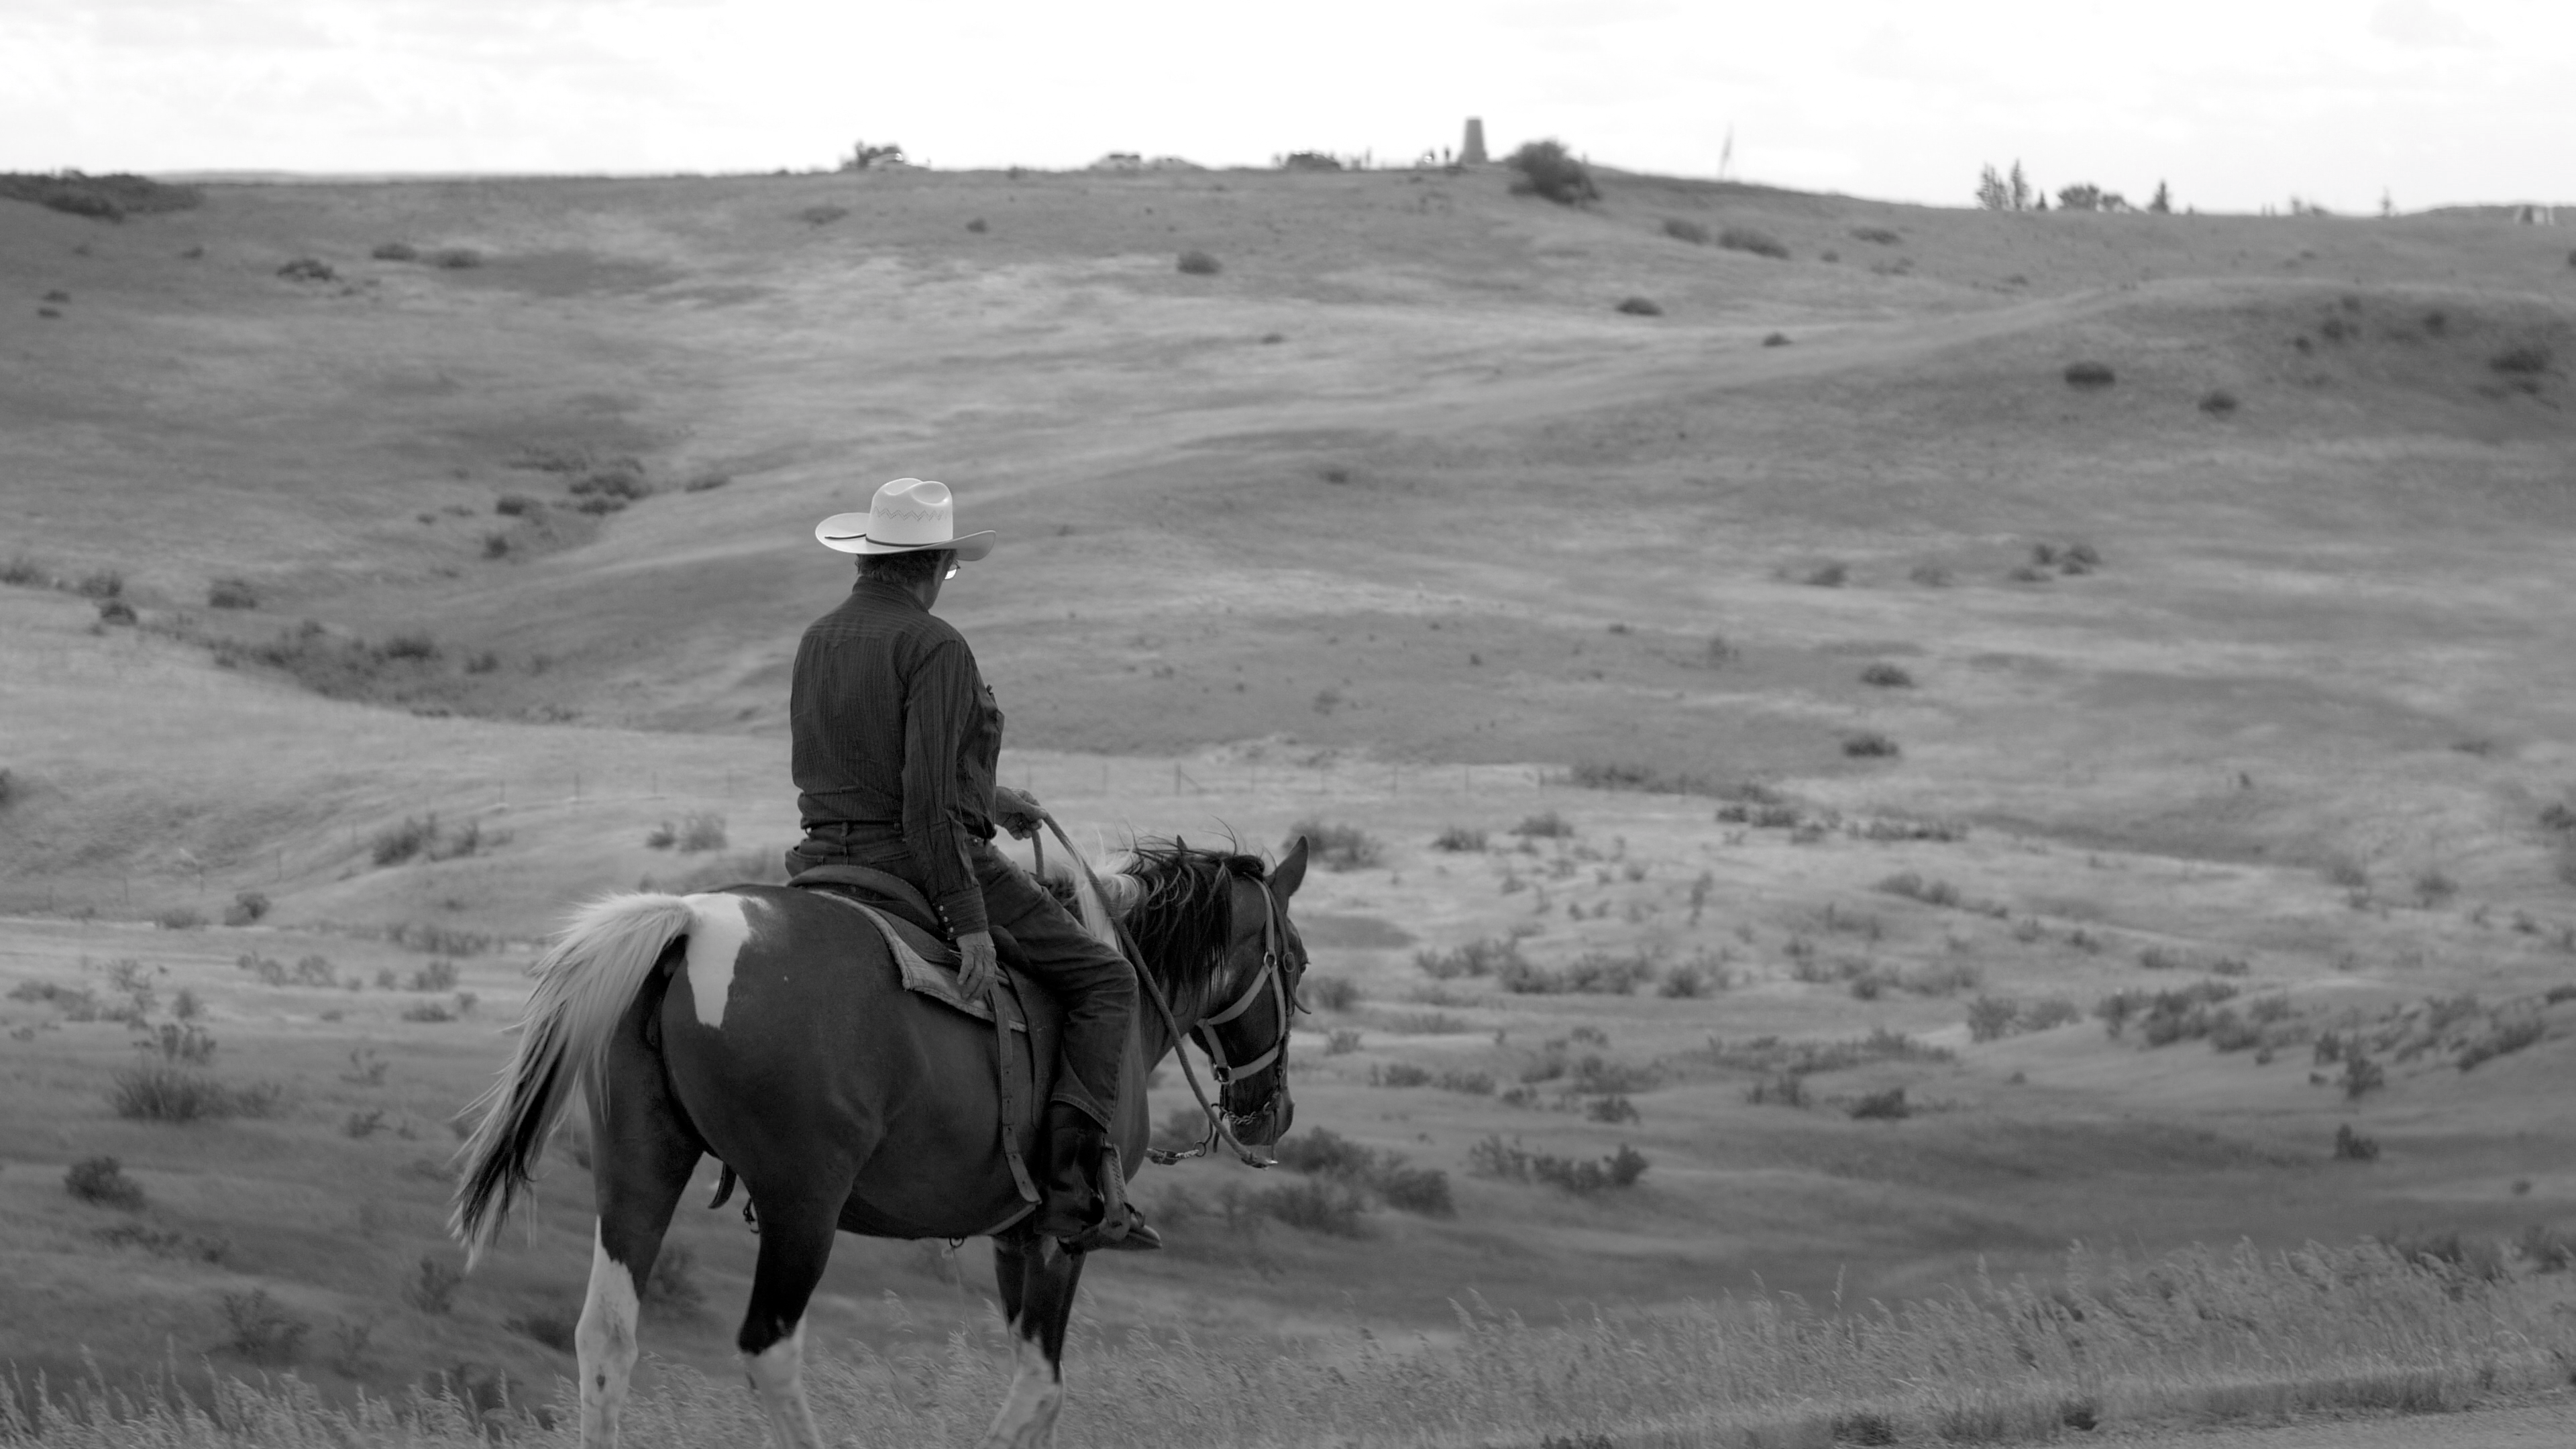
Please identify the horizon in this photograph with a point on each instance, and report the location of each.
(2423, 102)
(256, 176)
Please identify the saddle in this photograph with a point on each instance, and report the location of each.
(1026, 1020)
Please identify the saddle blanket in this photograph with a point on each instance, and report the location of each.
(928, 967)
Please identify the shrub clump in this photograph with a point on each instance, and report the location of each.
(1510, 1162)
(1329, 993)
(1547, 169)
(1459, 838)
(395, 252)
(1338, 847)
(1199, 264)
(1870, 745)
(432, 1286)
(308, 269)
(1640, 307)
(1547, 825)
(1681, 229)
(1322, 1153)
(2218, 402)
(2088, 375)
(1886, 676)
(102, 1181)
(261, 1329)
(1747, 239)
(2528, 359)
(166, 1091)
(231, 594)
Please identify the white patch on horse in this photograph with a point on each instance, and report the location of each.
(778, 1373)
(1027, 1419)
(723, 929)
(605, 1343)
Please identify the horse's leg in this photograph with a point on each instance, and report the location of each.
(642, 1156)
(1037, 1311)
(795, 1243)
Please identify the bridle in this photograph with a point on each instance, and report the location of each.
(1270, 976)
(1274, 936)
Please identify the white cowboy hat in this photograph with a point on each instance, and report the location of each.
(906, 516)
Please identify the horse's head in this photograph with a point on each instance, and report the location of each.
(1213, 929)
(1252, 1003)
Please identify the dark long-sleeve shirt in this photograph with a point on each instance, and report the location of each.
(895, 739)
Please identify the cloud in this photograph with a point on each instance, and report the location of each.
(2422, 25)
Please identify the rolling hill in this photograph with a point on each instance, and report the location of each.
(2242, 664)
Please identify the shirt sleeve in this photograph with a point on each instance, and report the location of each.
(939, 703)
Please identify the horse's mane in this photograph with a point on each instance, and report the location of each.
(1183, 913)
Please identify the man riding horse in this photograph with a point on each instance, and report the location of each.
(896, 738)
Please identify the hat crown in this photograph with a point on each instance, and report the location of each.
(912, 511)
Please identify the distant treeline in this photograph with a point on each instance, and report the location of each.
(109, 198)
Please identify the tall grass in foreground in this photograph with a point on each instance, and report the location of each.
(2204, 1333)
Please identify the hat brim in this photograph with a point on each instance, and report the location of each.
(847, 533)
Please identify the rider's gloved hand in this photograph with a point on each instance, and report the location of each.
(976, 964)
(1016, 811)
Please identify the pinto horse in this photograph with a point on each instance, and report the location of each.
(768, 1026)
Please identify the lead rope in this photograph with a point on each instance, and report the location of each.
(1217, 1129)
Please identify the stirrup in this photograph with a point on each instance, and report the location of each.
(1121, 1228)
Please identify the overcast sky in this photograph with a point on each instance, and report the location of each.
(2237, 103)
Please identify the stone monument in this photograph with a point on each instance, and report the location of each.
(1473, 153)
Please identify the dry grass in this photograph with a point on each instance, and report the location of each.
(2209, 1335)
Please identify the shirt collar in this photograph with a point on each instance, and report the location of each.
(887, 590)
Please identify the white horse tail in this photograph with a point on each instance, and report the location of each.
(584, 984)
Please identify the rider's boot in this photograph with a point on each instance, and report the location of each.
(1085, 1187)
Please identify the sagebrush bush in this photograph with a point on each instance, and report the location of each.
(1680, 229)
(1329, 993)
(1316, 1206)
(102, 1180)
(395, 252)
(1336, 846)
(165, 1091)
(1640, 307)
(432, 1284)
(1199, 264)
(398, 843)
(1886, 676)
(2524, 359)
(1747, 239)
(2218, 402)
(1458, 838)
(1870, 745)
(1546, 825)
(261, 1329)
(1886, 1106)
(2089, 374)
(232, 594)
(1547, 169)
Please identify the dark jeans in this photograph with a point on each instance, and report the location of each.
(1092, 981)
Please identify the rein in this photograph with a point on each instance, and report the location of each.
(1218, 1130)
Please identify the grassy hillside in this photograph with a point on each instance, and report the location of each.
(2242, 671)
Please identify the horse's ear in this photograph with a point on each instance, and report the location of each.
(1290, 873)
